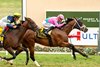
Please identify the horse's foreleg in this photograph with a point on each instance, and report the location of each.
(71, 46)
(76, 50)
(32, 56)
(27, 59)
(66, 44)
(73, 51)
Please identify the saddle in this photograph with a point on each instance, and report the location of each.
(40, 33)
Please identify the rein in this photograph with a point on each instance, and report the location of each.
(25, 23)
(76, 23)
(32, 26)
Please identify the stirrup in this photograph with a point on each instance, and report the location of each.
(46, 32)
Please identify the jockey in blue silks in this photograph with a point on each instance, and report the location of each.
(9, 21)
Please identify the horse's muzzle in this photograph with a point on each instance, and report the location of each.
(84, 29)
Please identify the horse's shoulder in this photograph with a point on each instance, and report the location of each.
(56, 31)
(28, 33)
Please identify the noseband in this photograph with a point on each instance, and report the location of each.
(76, 22)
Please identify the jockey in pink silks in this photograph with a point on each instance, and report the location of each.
(52, 22)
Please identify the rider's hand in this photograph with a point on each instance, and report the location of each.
(12, 23)
(14, 26)
(64, 22)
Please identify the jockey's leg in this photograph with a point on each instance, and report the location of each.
(6, 29)
(50, 28)
(10, 26)
(1, 44)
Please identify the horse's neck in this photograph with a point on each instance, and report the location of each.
(18, 32)
(22, 31)
(67, 28)
(36, 27)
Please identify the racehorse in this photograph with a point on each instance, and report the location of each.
(59, 37)
(12, 40)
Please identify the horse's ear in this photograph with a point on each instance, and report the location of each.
(22, 21)
(25, 18)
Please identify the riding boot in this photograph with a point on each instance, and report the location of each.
(1, 44)
(46, 31)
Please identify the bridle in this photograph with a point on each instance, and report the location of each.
(26, 22)
(76, 22)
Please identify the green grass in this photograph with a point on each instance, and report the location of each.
(55, 60)
(8, 7)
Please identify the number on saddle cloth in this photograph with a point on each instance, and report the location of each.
(41, 30)
(40, 33)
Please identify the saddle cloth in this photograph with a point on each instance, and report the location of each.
(41, 34)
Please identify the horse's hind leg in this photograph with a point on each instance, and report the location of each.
(9, 60)
(19, 50)
(76, 50)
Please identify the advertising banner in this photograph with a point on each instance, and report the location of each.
(77, 37)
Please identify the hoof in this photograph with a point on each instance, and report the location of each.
(10, 62)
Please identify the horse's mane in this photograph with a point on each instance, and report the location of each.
(68, 20)
(35, 25)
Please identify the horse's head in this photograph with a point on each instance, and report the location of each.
(30, 24)
(76, 23)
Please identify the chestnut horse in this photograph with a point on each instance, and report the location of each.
(12, 40)
(59, 37)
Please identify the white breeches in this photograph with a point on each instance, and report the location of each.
(3, 24)
(47, 25)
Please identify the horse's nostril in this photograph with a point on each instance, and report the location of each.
(85, 30)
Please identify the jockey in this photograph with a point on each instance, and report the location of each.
(9, 21)
(52, 22)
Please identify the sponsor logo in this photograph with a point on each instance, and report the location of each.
(89, 36)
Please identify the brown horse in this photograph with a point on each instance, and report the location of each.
(59, 37)
(12, 40)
